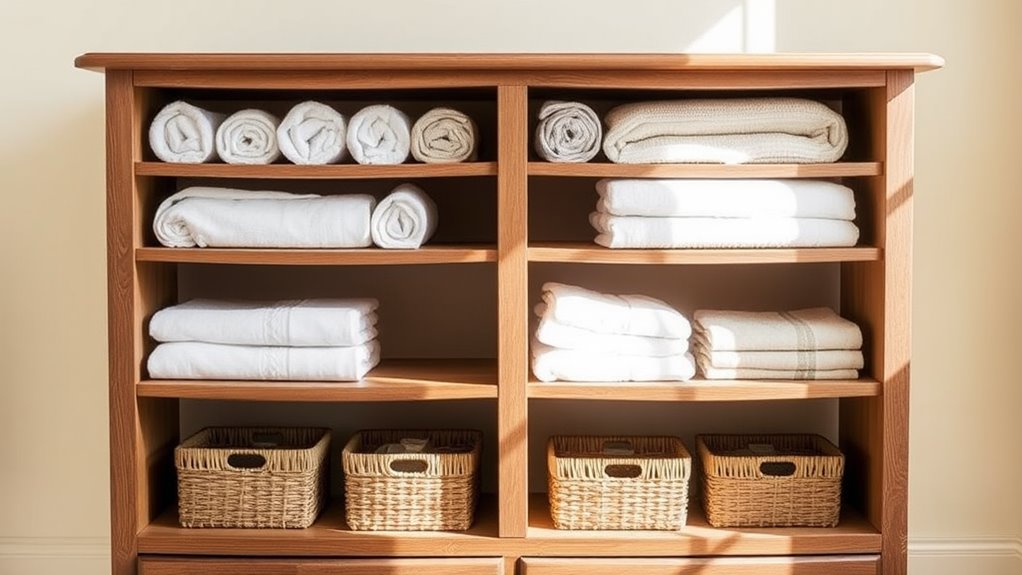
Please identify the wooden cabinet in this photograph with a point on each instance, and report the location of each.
(455, 314)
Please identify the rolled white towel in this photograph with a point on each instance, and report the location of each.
(312, 133)
(379, 135)
(444, 136)
(817, 359)
(405, 219)
(301, 323)
(558, 335)
(221, 217)
(248, 137)
(792, 198)
(200, 360)
(552, 364)
(727, 131)
(567, 132)
(184, 134)
(615, 314)
(667, 233)
(805, 329)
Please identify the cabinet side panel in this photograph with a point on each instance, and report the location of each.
(512, 233)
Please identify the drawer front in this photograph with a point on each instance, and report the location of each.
(476, 566)
(843, 565)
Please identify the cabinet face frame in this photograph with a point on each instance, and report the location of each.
(875, 292)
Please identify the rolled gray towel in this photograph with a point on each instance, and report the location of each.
(568, 132)
(444, 136)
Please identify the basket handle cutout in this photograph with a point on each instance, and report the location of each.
(267, 439)
(408, 465)
(246, 460)
(777, 468)
(623, 471)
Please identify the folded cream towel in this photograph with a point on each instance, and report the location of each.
(710, 372)
(615, 314)
(405, 219)
(558, 335)
(444, 136)
(552, 364)
(805, 329)
(728, 131)
(312, 133)
(184, 134)
(726, 198)
(248, 137)
(567, 132)
(821, 359)
(379, 135)
(222, 217)
(642, 232)
(199, 360)
(307, 322)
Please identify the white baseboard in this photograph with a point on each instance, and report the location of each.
(927, 555)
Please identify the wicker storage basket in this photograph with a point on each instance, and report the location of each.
(770, 480)
(252, 477)
(618, 482)
(436, 490)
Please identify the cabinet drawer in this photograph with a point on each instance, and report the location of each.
(181, 566)
(843, 565)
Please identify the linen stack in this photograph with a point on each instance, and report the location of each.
(298, 340)
(584, 335)
(689, 213)
(813, 343)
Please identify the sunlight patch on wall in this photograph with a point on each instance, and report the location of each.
(748, 27)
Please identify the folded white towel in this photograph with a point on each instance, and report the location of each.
(405, 219)
(726, 198)
(199, 360)
(248, 137)
(567, 132)
(817, 359)
(222, 217)
(184, 134)
(444, 136)
(307, 322)
(710, 372)
(379, 135)
(729, 131)
(805, 329)
(312, 133)
(558, 335)
(552, 364)
(642, 232)
(615, 314)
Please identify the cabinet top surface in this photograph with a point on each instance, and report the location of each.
(521, 61)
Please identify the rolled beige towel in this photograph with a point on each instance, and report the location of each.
(444, 136)
(568, 132)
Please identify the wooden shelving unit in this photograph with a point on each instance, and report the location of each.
(493, 213)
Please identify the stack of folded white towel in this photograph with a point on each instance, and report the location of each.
(662, 213)
(589, 336)
(813, 343)
(299, 340)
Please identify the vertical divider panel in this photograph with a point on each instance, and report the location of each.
(512, 307)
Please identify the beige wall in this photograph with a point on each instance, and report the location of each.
(965, 462)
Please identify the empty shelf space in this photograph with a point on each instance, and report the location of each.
(431, 254)
(329, 536)
(705, 390)
(392, 380)
(330, 172)
(587, 252)
(606, 170)
(854, 534)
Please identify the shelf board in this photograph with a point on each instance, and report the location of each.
(705, 390)
(607, 170)
(330, 536)
(327, 172)
(392, 380)
(588, 252)
(430, 254)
